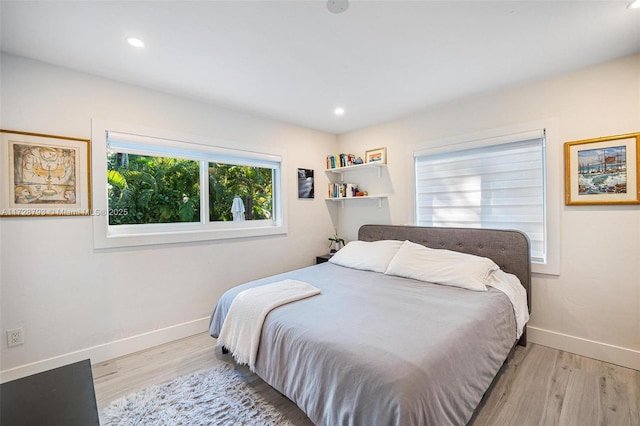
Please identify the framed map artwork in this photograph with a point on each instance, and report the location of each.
(44, 175)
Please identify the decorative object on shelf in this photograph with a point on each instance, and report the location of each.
(305, 183)
(47, 175)
(602, 170)
(335, 243)
(358, 161)
(376, 155)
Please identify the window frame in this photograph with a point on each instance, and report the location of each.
(498, 136)
(161, 142)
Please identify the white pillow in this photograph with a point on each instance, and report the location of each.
(441, 266)
(367, 255)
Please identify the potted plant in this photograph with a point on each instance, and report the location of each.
(337, 241)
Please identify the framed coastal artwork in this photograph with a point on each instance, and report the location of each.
(602, 170)
(378, 155)
(44, 175)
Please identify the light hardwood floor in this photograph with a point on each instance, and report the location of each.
(540, 386)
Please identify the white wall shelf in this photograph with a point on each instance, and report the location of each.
(356, 167)
(366, 197)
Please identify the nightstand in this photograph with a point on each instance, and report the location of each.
(322, 259)
(61, 396)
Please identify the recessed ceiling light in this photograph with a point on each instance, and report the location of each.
(135, 42)
(635, 4)
(338, 111)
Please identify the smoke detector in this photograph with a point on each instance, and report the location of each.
(337, 6)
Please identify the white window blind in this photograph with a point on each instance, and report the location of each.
(497, 186)
(147, 145)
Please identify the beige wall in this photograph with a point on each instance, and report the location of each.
(73, 301)
(593, 306)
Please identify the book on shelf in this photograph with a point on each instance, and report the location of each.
(331, 161)
(340, 160)
(342, 190)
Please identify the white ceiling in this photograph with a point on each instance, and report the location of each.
(295, 61)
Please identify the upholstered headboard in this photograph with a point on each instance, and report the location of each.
(509, 249)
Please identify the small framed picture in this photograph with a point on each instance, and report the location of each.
(305, 183)
(602, 170)
(44, 175)
(378, 155)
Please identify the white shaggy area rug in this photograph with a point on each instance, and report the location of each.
(217, 396)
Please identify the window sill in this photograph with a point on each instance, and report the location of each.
(188, 233)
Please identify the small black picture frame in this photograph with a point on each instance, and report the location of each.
(305, 183)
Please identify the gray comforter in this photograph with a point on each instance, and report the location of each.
(373, 349)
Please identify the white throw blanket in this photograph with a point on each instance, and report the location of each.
(242, 326)
(510, 285)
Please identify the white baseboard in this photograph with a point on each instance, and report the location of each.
(597, 350)
(601, 351)
(111, 350)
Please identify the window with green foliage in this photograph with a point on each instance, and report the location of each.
(145, 189)
(165, 190)
(254, 186)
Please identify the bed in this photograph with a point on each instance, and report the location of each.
(380, 349)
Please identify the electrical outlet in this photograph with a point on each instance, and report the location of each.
(15, 337)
